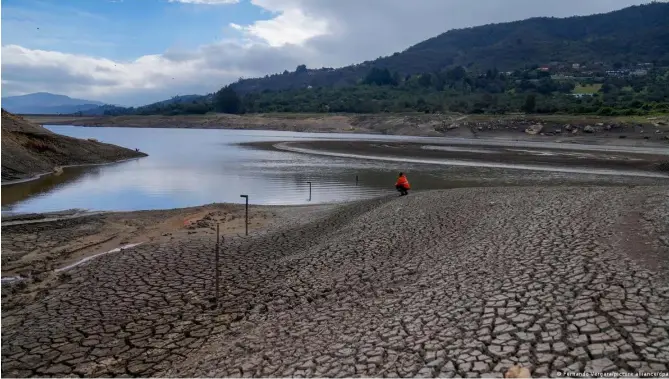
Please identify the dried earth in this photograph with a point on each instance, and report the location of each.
(35, 246)
(462, 282)
(30, 150)
(653, 160)
(577, 128)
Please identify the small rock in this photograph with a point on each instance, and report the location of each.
(534, 129)
(517, 372)
(589, 129)
(600, 365)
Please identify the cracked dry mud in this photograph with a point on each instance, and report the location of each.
(463, 282)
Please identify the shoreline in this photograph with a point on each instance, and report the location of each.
(117, 228)
(569, 159)
(31, 151)
(56, 172)
(615, 130)
(453, 162)
(332, 283)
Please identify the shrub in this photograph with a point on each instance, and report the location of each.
(37, 145)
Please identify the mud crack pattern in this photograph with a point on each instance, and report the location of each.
(464, 282)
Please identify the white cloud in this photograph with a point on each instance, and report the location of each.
(291, 26)
(26, 70)
(312, 32)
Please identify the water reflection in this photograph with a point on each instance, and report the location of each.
(188, 167)
(15, 193)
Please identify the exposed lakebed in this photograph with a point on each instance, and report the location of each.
(188, 167)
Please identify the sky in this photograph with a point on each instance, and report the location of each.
(134, 52)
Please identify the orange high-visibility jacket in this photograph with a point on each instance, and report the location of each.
(403, 182)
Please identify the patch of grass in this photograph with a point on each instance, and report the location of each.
(587, 89)
(37, 145)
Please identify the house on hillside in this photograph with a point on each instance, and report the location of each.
(617, 73)
(639, 72)
(544, 68)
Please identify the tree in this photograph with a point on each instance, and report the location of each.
(380, 77)
(530, 103)
(455, 74)
(608, 88)
(425, 80)
(546, 86)
(397, 78)
(227, 101)
(301, 68)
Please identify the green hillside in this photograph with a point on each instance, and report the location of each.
(631, 35)
(608, 64)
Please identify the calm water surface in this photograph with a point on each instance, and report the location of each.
(189, 167)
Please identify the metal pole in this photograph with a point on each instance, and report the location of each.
(218, 272)
(309, 191)
(247, 213)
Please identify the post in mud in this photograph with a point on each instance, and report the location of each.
(247, 213)
(217, 273)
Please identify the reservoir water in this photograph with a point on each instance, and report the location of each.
(189, 167)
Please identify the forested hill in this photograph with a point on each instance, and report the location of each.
(631, 35)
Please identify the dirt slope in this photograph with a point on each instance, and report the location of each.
(29, 149)
(573, 128)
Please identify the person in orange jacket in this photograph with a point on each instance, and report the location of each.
(402, 185)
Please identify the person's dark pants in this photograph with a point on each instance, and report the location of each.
(403, 191)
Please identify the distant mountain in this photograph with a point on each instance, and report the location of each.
(177, 100)
(637, 34)
(46, 103)
(198, 104)
(101, 110)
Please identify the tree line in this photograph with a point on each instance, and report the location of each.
(453, 90)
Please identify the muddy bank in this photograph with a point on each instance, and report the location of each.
(618, 130)
(464, 282)
(35, 247)
(655, 162)
(30, 151)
